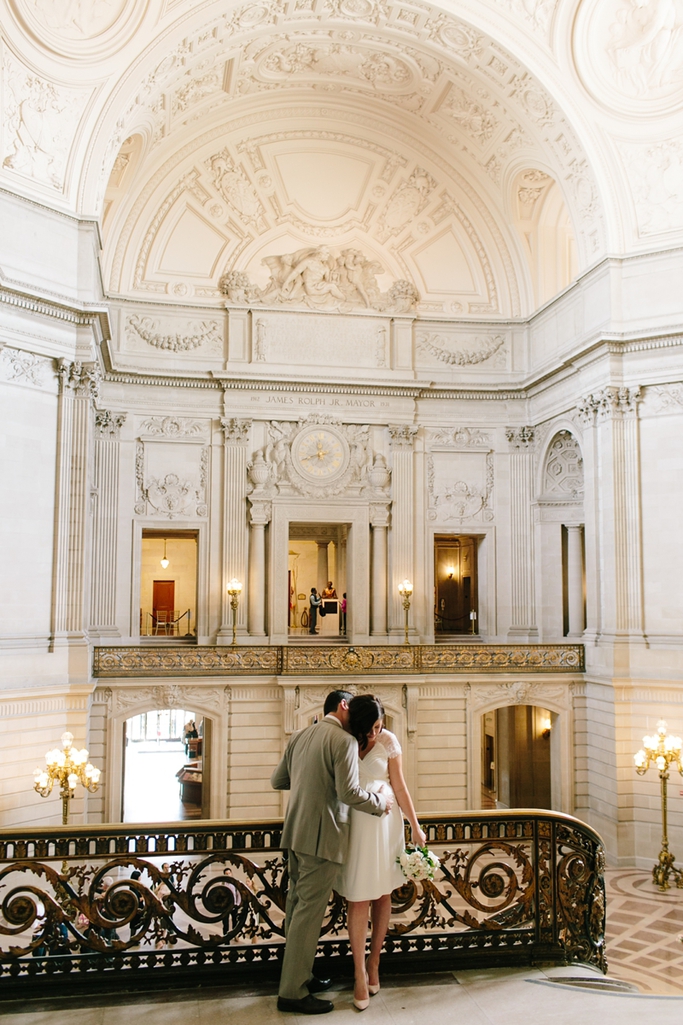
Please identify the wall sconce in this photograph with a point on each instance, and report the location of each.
(450, 571)
(164, 561)
(473, 619)
(234, 590)
(547, 726)
(405, 589)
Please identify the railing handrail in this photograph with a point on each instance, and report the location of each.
(139, 902)
(211, 826)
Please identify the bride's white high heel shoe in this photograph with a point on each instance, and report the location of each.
(372, 990)
(361, 1005)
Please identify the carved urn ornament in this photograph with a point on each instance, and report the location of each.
(379, 475)
(259, 472)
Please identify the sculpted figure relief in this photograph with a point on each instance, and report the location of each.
(645, 46)
(314, 277)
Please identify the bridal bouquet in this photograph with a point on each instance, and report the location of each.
(418, 863)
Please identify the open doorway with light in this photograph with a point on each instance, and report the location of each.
(518, 757)
(168, 586)
(456, 592)
(166, 765)
(317, 559)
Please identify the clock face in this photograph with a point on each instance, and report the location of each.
(320, 454)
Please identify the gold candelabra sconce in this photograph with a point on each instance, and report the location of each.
(405, 589)
(234, 590)
(68, 768)
(662, 750)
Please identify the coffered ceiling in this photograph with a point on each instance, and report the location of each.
(485, 156)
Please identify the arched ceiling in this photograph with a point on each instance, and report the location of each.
(209, 136)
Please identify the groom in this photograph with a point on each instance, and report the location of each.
(320, 768)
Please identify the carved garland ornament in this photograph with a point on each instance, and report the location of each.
(148, 330)
(485, 348)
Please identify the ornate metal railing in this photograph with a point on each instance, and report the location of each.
(514, 888)
(127, 661)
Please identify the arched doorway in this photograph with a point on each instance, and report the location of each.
(518, 751)
(165, 766)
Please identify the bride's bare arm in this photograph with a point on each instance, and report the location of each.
(402, 794)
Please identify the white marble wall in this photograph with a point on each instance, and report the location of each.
(85, 472)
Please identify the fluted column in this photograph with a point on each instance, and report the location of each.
(236, 434)
(523, 625)
(379, 519)
(260, 516)
(401, 535)
(613, 415)
(78, 386)
(575, 600)
(105, 524)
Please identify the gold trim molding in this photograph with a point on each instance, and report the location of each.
(335, 660)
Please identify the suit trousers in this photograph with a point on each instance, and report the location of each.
(311, 881)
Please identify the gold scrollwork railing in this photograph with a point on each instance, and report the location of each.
(264, 660)
(130, 902)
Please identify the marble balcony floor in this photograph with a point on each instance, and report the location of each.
(644, 983)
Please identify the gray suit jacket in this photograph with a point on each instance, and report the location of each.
(320, 767)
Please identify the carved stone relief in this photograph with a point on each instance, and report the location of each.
(563, 470)
(314, 278)
(457, 437)
(519, 693)
(25, 367)
(629, 52)
(460, 487)
(321, 463)
(485, 347)
(40, 121)
(173, 427)
(179, 493)
(665, 398)
(192, 335)
(655, 174)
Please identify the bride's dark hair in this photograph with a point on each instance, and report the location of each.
(364, 711)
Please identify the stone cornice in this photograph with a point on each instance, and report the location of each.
(57, 309)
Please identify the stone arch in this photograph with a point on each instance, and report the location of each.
(557, 698)
(211, 702)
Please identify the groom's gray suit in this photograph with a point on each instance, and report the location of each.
(320, 767)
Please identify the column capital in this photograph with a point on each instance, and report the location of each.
(402, 435)
(260, 513)
(521, 437)
(611, 403)
(108, 424)
(379, 514)
(236, 431)
(83, 379)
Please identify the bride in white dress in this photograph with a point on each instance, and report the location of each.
(371, 871)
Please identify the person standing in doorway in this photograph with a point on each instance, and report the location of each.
(315, 602)
(342, 615)
(320, 769)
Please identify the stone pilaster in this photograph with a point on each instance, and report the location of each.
(401, 533)
(611, 415)
(523, 625)
(78, 387)
(379, 522)
(105, 524)
(256, 592)
(236, 434)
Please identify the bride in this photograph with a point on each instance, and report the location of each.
(371, 871)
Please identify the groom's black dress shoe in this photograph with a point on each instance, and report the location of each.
(309, 1005)
(318, 985)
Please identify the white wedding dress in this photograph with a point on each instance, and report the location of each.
(376, 841)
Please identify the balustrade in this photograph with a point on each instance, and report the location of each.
(514, 888)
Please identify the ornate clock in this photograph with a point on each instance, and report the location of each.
(320, 454)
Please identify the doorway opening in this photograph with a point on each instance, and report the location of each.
(168, 585)
(456, 599)
(516, 757)
(317, 559)
(166, 759)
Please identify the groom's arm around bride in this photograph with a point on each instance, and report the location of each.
(320, 768)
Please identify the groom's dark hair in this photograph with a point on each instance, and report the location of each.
(333, 699)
